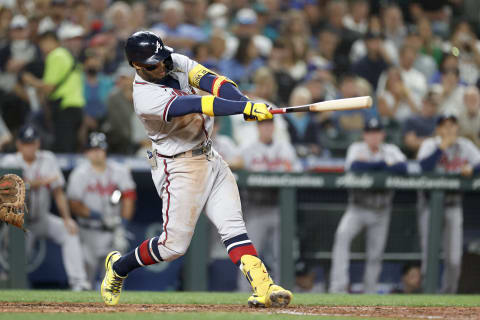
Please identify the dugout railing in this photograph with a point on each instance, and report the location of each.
(289, 183)
(289, 186)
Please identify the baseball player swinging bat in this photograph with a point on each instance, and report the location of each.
(332, 105)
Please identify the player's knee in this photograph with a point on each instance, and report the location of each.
(342, 235)
(170, 254)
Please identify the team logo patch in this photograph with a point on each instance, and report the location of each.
(159, 46)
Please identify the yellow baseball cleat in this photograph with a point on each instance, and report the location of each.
(265, 292)
(112, 283)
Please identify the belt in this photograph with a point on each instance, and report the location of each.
(206, 148)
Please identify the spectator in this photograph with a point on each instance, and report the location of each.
(451, 97)
(464, 44)
(374, 62)
(62, 84)
(118, 18)
(366, 209)
(413, 79)
(264, 88)
(120, 112)
(336, 11)
(349, 120)
(97, 87)
(449, 62)
(448, 154)
(469, 117)
(15, 56)
(393, 24)
(109, 49)
(431, 45)
(246, 25)
(243, 65)
(356, 20)
(359, 49)
(328, 41)
(174, 31)
(411, 279)
(423, 62)
(396, 102)
(303, 130)
(419, 127)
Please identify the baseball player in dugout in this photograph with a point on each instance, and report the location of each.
(366, 209)
(188, 174)
(102, 195)
(447, 153)
(44, 178)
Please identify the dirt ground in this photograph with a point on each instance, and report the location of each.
(367, 312)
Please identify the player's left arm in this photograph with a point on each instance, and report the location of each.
(209, 81)
(397, 162)
(472, 153)
(129, 194)
(64, 210)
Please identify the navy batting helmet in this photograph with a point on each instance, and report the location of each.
(146, 48)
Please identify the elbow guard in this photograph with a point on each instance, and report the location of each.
(197, 73)
(215, 81)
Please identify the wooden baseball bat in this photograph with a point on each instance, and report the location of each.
(331, 105)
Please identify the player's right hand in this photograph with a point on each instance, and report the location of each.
(256, 111)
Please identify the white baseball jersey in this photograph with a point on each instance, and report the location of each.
(226, 147)
(359, 151)
(152, 102)
(94, 189)
(277, 156)
(462, 152)
(45, 166)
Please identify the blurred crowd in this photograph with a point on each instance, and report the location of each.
(63, 69)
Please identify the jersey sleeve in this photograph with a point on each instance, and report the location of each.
(125, 180)
(184, 63)
(396, 155)
(427, 147)
(352, 154)
(51, 170)
(76, 185)
(472, 153)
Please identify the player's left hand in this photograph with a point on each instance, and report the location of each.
(256, 111)
(71, 225)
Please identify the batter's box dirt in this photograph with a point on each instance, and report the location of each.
(366, 312)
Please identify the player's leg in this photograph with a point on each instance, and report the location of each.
(350, 225)
(224, 210)
(452, 247)
(263, 225)
(423, 215)
(72, 252)
(377, 234)
(183, 184)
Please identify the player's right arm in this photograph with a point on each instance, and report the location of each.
(356, 160)
(157, 103)
(75, 191)
(429, 154)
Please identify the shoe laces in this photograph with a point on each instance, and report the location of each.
(115, 284)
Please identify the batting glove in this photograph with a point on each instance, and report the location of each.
(256, 111)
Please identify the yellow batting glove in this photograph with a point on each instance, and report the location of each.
(256, 111)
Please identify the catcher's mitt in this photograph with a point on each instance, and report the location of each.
(12, 200)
